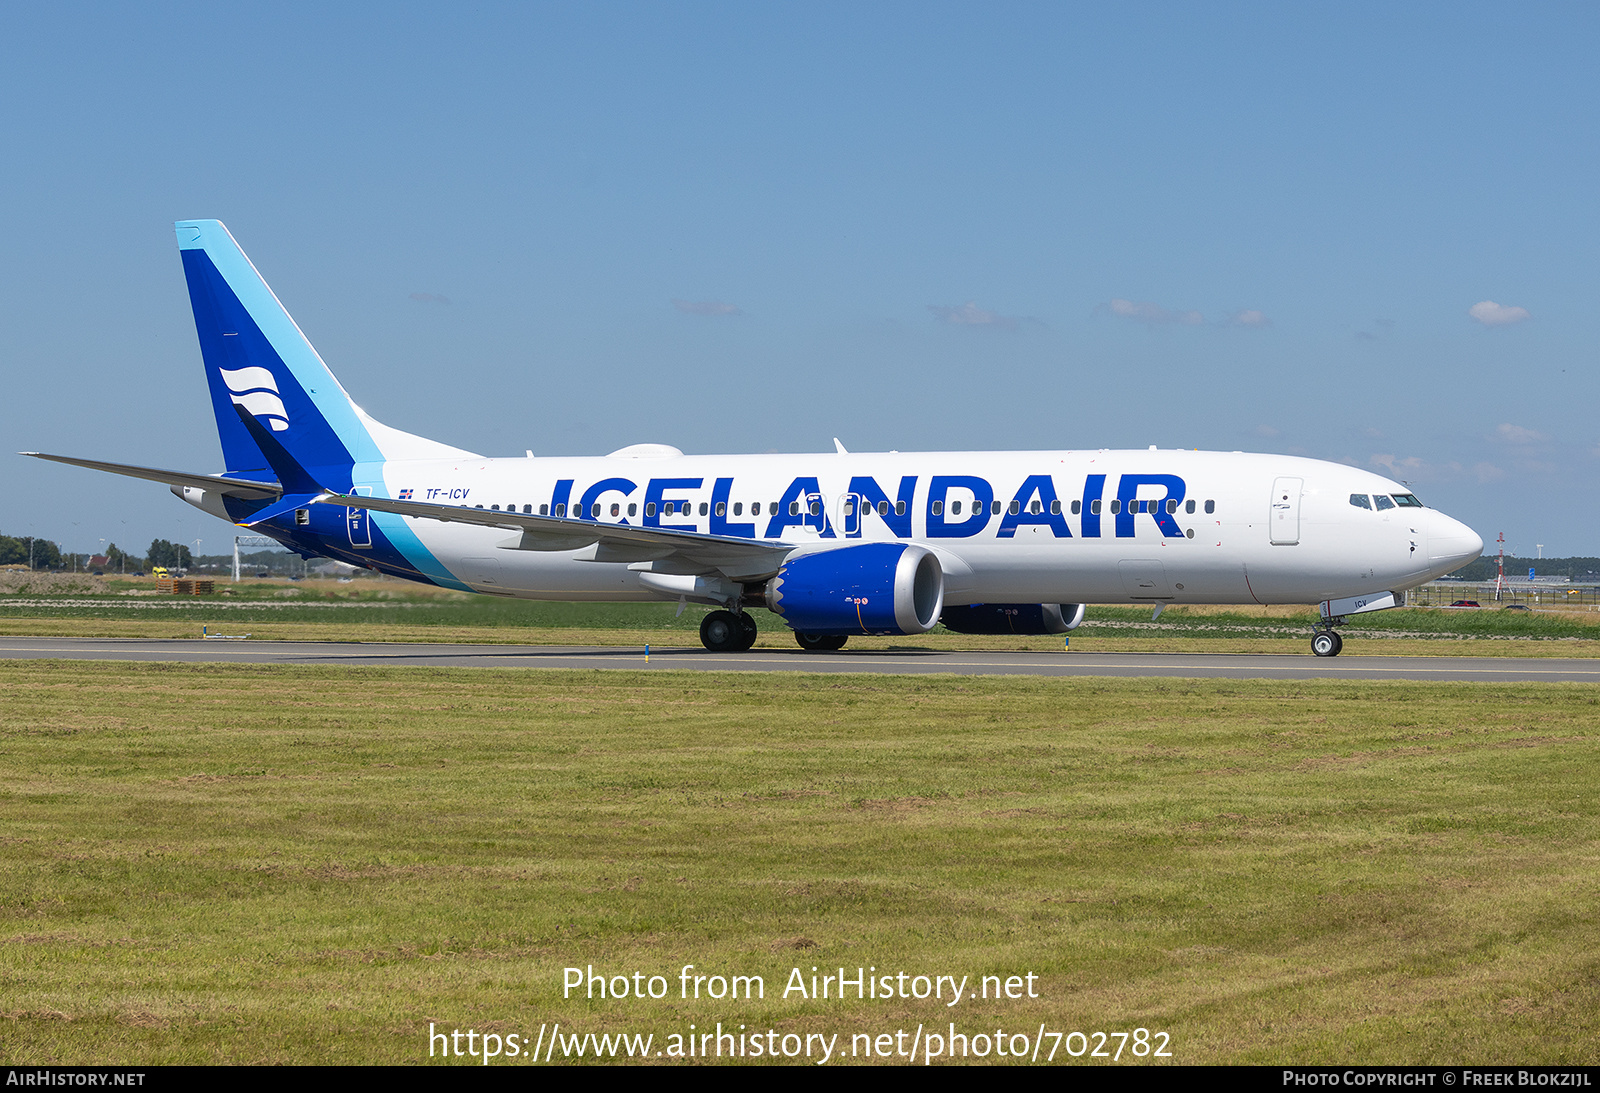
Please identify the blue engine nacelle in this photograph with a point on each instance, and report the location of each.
(1013, 618)
(873, 588)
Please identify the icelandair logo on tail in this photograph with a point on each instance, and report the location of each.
(255, 390)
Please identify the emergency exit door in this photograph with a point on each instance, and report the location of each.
(1284, 516)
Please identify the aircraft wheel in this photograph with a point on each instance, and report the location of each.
(1326, 643)
(820, 643)
(721, 632)
(748, 632)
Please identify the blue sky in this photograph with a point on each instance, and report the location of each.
(742, 227)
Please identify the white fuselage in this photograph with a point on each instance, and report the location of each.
(1244, 528)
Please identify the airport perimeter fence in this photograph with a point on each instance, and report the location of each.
(1523, 592)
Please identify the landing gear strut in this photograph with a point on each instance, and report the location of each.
(725, 632)
(1325, 640)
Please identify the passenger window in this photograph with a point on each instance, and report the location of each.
(738, 508)
(1055, 508)
(1359, 500)
(1188, 506)
(616, 509)
(650, 508)
(938, 508)
(955, 508)
(794, 508)
(632, 508)
(493, 508)
(1016, 506)
(544, 510)
(1116, 506)
(816, 508)
(561, 509)
(1211, 506)
(722, 508)
(1172, 504)
(528, 509)
(704, 508)
(594, 510)
(1094, 506)
(883, 507)
(994, 508)
(1077, 507)
(1383, 502)
(899, 508)
(1035, 507)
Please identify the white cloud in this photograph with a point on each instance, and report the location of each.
(1248, 318)
(1490, 313)
(1488, 472)
(970, 314)
(1152, 314)
(1516, 434)
(1414, 469)
(705, 307)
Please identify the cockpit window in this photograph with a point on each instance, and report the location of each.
(1383, 502)
(1359, 500)
(1407, 501)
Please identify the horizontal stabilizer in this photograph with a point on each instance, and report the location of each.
(227, 486)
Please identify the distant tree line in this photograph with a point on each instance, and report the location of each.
(28, 551)
(1577, 568)
(169, 555)
(45, 554)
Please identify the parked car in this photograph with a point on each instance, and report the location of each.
(1516, 607)
(1466, 603)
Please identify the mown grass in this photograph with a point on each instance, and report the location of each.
(369, 610)
(255, 864)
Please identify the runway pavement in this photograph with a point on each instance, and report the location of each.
(891, 660)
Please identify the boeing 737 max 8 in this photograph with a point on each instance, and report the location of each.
(834, 544)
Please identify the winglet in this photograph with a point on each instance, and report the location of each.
(839, 447)
(295, 478)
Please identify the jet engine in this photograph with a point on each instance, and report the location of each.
(873, 588)
(1013, 618)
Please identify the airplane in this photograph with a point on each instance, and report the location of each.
(835, 544)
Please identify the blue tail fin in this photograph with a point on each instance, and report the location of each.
(256, 357)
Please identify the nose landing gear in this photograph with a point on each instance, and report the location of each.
(1327, 642)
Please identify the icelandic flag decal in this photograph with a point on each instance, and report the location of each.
(405, 495)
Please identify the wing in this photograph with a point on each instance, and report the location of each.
(740, 559)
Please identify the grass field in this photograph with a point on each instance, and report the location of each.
(236, 864)
(373, 610)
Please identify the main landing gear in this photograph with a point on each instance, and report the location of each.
(1327, 642)
(726, 632)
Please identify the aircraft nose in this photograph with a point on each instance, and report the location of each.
(1451, 544)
